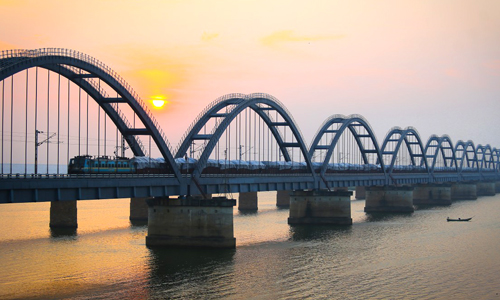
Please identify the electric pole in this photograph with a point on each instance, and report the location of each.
(38, 144)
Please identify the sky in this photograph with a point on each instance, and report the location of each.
(430, 64)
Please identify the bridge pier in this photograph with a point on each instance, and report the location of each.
(464, 191)
(360, 193)
(63, 214)
(191, 222)
(497, 186)
(320, 207)
(485, 188)
(283, 199)
(138, 209)
(432, 194)
(247, 201)
(389, 199)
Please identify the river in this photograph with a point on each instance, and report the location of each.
(401, 256)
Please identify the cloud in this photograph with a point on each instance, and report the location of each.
(206, 37)
(285, 36)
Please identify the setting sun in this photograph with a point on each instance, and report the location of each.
(158, 101)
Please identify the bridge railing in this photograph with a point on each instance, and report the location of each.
(82, 176)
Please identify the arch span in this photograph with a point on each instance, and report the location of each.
(398, 136)
(485, 157)
(83, 69)
(496, 159)
(441, 145)
(465, 153)
(352, 123)
(261, 104)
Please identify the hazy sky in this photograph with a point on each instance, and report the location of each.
(431, 64)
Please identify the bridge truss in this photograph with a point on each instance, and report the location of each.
(60, 103)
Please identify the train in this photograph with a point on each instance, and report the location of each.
(86, 164)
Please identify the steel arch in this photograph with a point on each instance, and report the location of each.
(496, 159)
(65, 62)
(403, 137)
(349, 122)
(489, 157)
(485, 156)
(445, 139)
(213, 111)
(253, 101)
(461, 153)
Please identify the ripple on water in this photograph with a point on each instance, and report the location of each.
(413, 256)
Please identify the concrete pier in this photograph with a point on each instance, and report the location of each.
(247, 201)
(191, 222)
(432, 194)
(464, 191)
(283, 199)
(389, 199)
(63, 214)
(497, 186)
(320, 207)
(138, 210)
(485, 188)
(360, 193)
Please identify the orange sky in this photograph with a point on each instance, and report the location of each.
(434, 65)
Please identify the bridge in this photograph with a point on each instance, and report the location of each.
(57, 104)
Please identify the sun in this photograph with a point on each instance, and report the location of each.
(158, 101)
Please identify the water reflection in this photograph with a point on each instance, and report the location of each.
(63, 232)
(177, 271)
(166, 262)
(381, 216)
(319, 232)
(248, 212)
(138, 223)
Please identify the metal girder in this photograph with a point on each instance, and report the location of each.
(56, 59)
(440, 147)
(112, 100)
(255, 102)
(344, 122)
(403, 138)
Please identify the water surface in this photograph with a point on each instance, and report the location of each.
(408, 256)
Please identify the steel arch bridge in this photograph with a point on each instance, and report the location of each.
(263, 105)
(337, 126)
(443, 148)
(466, 156)
(82, 70)
(412, 143)
(344, 151)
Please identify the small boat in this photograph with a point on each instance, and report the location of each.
(458, 220)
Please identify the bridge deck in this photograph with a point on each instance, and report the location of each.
(31, 188)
